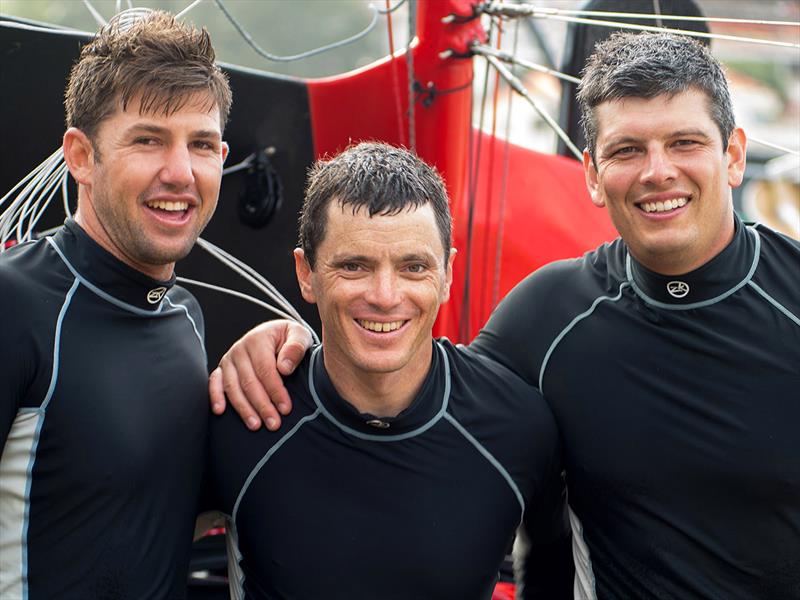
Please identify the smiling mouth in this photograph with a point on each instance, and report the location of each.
(378, 327)
(665, 206)
(168, 206)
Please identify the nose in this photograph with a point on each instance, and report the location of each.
(383, 292)
(177, 169)
(659, 167)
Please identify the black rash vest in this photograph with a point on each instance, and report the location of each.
(678, 404)
(103, 416)
(339, 504)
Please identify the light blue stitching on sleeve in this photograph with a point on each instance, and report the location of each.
(488, 456)
(266, 457)
(37, 434)
(572, 324)
(775, 303)
(191, 320)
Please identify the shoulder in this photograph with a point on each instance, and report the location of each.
(180, 296)
(486, 393)
(33, 279)
(778, 268)
(532, 315)
(234, 451)
(504, 415)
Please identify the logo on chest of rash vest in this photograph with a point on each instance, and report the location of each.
(155, 295)
(678, 289)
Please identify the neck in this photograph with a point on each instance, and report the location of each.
(673, 264)
(382, 394)
(94, 228)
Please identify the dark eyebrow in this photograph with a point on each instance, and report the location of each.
(691, 132)
(157, 129)
(424, 257)
(618, 142)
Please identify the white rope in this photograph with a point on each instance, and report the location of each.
(773, 146)
(484, 50)
(187, 9)
(95, 14)
(664, 16)
(518, 87)
(699, 34)
(241, 295)
(527, 10)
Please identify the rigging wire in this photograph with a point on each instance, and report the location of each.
(518, 11)
(224, 290)
(376, 12)
(520, 88)
(95, 13)
(528, 10)
(474, 155)
(490, 170)
(412, 33)
(773, 146)
(498, 251)
(485, 50)
(187, 9)
(398, 102)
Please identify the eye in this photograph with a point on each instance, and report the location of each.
(351, 267)
(145, 141)
(204, 145)
(625, 151)
(686, 143)
(417, 268)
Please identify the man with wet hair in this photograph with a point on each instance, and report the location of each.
(406, 464)
(103, 413)
(670, 357)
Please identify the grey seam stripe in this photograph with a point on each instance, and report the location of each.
(775, 303)
(383, 438)
(191, 320)
(38, 432)
(266, 457)
(488, 456)
(97, 290)
(734, 289)
(572, 324)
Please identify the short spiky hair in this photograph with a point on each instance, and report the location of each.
(380, 178)
(647, 65)
(155, 56)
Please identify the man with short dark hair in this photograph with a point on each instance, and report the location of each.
(406, 464)
(671, 356)
(103, 416)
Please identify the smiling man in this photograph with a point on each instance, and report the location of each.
(103, 409)
(406, 464)
(670, 357)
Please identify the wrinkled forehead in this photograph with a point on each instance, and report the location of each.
(681, 108)
(412, 229)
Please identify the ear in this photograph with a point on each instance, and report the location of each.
(592, 184)
(736, 155)
(79, 155)
(304, 273)
(225, 150)
(448, 275)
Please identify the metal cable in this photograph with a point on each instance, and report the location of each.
(376, 12)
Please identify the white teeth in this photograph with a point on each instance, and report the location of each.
(380, 327)
(171, 206)
(664, 206)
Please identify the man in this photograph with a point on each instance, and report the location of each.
(670, 357)
(102, 420)
(406, 464)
